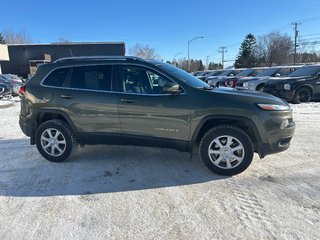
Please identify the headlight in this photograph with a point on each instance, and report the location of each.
(273, 107)
(245, 84)
(284, 124)
(287, 86)
(212, 82)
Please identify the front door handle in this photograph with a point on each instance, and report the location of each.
(66, 96)
(128, 100)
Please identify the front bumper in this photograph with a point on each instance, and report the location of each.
(281, 93)
(282, 143)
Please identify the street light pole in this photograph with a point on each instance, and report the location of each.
(179, 53)
(190, 41)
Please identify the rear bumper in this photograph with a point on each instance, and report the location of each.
(281, 144)
(25, 125)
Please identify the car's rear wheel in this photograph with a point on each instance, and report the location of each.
(302, 95)
(226, 150)
(55, 140)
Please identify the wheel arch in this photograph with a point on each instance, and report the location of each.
(304, 86)
(261, 84)
(44, 115)
(244, 123)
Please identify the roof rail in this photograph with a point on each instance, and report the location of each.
(97, 58)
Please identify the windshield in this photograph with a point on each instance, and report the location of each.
(182, 75)
(305, 71)
(214, 73)
(268, 72)
(246, 72)
(3, 79)
(226, 73)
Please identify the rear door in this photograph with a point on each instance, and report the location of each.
(85, 94)
(145, 110)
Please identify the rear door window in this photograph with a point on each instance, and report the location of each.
(91, 77)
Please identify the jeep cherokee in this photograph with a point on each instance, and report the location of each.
(302, 85)
(128, 100)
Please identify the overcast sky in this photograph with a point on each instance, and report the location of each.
(163, 24)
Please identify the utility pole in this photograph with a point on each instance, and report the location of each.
(207, 61)
(222, 50)
(296, 33)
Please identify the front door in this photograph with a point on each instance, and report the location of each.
(145, 110)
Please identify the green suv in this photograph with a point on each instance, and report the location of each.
(131, 101)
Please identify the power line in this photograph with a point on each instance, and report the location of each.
(312, 34)
(315, 18)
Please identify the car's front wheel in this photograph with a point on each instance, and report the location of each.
(226, 150)
(260, 88)
(302, 95)
(55, 140)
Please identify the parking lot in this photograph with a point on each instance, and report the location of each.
(120, 192)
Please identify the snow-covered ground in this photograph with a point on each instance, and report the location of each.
(108, 192)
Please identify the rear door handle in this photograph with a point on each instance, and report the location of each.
(66, 96)
(128, 100)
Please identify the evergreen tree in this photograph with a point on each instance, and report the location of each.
(247, 56)
(200, 66)
(2, 41)
(214, 66)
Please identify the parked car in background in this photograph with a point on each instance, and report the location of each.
(206, 74)
(302, 85)
(215, 80)
(232, 81)
(202, 75)
(4, 90)
(13, 81)
(197, 73)
(212, 74)
(257, 83)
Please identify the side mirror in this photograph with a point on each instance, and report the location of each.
(277, 75)
(174, 89)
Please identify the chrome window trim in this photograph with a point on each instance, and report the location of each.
(104, 91)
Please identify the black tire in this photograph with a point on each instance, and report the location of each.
(260, 87)
(66, 135)
(239, 138)
(302, 95)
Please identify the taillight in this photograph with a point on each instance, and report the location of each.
(229, 83)
(232, 83)
(22, 90)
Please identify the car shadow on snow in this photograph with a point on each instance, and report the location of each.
(96, 169)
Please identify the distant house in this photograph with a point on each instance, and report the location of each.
(24, 58)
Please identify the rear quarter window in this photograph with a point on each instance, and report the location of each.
(56, 78)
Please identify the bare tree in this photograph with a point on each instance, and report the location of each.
(2, 41)
(12, 37)
(274, 49)
(143, 51)
(63, 40)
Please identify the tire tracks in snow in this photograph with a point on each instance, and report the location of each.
(249, 210)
